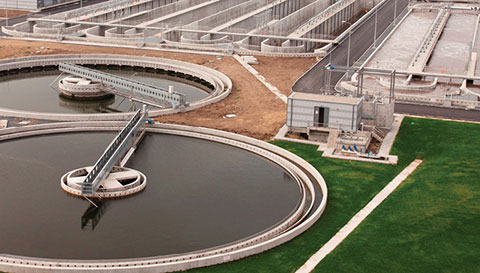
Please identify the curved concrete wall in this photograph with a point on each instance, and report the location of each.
(266, 46)
(257, 244)
(221, 83)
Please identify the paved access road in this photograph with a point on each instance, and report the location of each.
(47, 11)
(440, 112)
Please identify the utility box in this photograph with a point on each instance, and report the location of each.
(306, 111)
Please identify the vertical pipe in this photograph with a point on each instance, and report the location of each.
(361, 87)
(348, 49)
(375, 31)
(354, 129)
(359, 78)
(395, 13)
(6, 14)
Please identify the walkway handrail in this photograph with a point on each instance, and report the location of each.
(173, 98)
(105, 163)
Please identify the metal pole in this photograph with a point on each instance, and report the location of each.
(6, 14)
(348, 47)
(359, 78)
(392, 95)
(375, 31)
(395, 13)
(81, 3)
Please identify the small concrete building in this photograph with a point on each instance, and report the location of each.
(306, 111)
(29, 4)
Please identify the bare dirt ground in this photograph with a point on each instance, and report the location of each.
(259, 113)
(12, 13)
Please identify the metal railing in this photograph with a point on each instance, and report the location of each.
(172, 98)
(110, 156)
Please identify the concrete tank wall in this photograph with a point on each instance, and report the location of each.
(223, 17)
(197, 14)
(109, 11)
(20, 4)
(380, 114)
(290, 22)
(158, 12)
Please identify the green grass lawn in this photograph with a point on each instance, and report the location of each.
(351, 185)
(430, 223)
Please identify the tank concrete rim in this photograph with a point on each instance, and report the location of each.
(280, 234)
(222, 84)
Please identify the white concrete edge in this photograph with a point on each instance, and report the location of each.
(356, 220)
(444, 119)
(284, 130)
(389, 139)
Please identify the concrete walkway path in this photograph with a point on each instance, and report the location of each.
(358, 218)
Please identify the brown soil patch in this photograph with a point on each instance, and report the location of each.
(13, 13)
(283, 72)
(259, 113)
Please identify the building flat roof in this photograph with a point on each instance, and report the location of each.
(325, 98)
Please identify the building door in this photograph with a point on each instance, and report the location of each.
(320, 116)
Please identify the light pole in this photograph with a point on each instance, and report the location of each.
(6, 13)
(395, 14)
(348, 44)
(375, 31)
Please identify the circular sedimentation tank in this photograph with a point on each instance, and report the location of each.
(193, 200)
(211, 197)
(28, 86)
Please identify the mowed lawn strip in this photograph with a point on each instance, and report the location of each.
(431, 223)
(351, 185)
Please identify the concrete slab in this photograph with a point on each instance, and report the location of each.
(358, 218)
(3, 123)
(451, 54)
(390, 137)
(389, 159)
(284, 130)
(399, 49)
